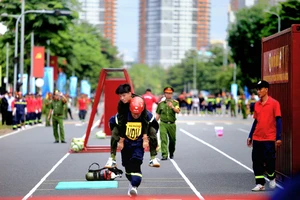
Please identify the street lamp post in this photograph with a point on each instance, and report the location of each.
(278, 19)
(7, 63)
(194, 73)
(15, 63)
(22, 43)
(58, 12)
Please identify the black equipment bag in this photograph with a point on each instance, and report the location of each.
(102, 173)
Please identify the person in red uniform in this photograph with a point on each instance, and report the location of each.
(149, 99)
(34, 109)
(30, 111)
(82, 104)
(39, 105)
(265, 136)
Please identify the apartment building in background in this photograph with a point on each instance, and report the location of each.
(101, 14)
(236, 5)
(169, 28)
(271, 2)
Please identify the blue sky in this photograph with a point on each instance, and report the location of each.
(127, 24)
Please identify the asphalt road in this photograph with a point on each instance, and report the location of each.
(204, 166)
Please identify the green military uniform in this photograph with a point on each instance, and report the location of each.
(57, 119)
(47, 103)
(239, 105)
(244, 108)
(167, 127)
(232, 107)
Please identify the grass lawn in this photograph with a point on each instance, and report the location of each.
(4, 129)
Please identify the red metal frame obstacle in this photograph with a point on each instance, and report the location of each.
(108, 86)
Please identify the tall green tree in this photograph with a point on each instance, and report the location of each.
(83, 47)
(245, 42)
(289, 14)
(86, 59)
(46, 27)
(144, 77)
(252, 24)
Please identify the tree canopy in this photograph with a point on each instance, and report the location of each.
(81, 45)
(252, 24)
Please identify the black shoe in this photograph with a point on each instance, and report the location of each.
(164, 158)
(56, 141)
(63, 141)
(171, 156)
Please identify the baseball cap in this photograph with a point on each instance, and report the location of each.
(262, 84)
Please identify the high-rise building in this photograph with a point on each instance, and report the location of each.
(169, 28)
(236, 5)
(101, 14)
(271, 2)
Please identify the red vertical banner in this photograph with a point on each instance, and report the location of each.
(38, 62)
(54, 64)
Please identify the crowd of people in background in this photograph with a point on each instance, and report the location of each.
(20, 111)
(221, 104)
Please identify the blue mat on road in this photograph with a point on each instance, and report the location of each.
(86, 185)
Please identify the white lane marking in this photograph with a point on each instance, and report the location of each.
(224, 154)
(216, 149)
(190, 123)
(187, 180)
(243, 130)
(52, 170)
(209, 123)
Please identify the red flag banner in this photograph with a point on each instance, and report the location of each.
(38, 62)
(54, 64)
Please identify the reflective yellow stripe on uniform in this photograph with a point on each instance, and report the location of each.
(135, 174)
(257, 177)
(19, 102)
(271, 174)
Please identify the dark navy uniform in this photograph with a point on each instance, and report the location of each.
(133, 151)
(20, 105)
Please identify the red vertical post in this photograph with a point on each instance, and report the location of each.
(95, 105)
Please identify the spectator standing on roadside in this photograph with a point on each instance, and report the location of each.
(149, 99)
(265, 136)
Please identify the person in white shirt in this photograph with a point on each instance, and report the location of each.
(69, 105)
(195, 105)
